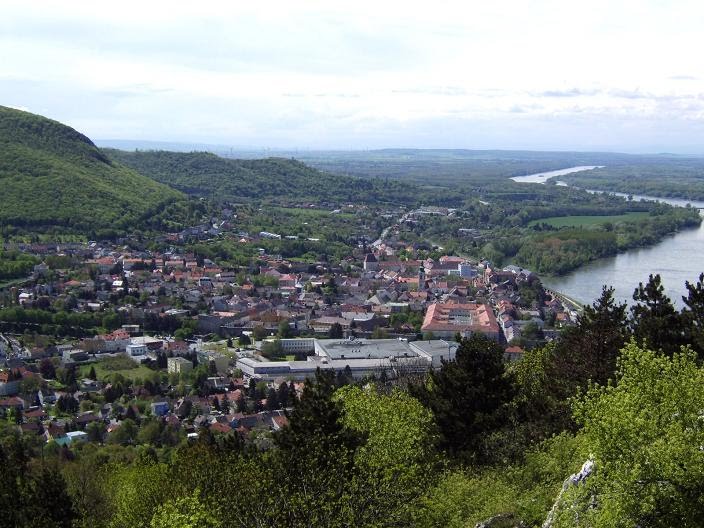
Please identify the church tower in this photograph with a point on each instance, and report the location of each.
(421, 278)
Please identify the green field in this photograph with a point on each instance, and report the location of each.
(313, 213)
(116, 365)
(589, 221)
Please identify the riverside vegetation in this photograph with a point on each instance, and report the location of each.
(668, 178)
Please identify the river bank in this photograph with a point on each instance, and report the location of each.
(677, 258)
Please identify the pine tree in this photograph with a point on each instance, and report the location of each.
(588, 350)
(468, 396)
(47, 369)
(241, 404)
(130, 414)
(654, 319)
(283, 395)
(272, 400)
(693, 315)
(315, 456)
(316, 414)
(292, 394)
(335, 331)
(31, 494)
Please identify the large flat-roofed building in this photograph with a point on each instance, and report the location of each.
(447, 319)
(363, 357)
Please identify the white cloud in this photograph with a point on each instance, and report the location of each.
(360, 74)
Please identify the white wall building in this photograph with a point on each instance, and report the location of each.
(137, 350)
(364, 357)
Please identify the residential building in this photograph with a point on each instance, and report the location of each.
(177, 365)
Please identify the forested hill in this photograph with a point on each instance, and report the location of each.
(54, 177)
(277, 179)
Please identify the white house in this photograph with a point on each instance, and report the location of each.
(137, 350)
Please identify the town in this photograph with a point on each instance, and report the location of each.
(185, 345)
(336, 264)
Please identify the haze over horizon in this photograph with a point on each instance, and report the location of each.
(545, 76)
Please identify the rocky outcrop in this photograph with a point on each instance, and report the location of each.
(571, 481)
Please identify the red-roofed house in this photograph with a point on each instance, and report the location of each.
(513, 353)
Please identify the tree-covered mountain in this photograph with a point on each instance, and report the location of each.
(53, 177)
(279, 179)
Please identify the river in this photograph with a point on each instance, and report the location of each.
(678, 258)
(542, 177)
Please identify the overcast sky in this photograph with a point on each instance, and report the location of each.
(554, 75)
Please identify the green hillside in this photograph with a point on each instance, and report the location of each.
(53, 177)
(277, 179)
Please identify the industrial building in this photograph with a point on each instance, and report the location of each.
(364, 357)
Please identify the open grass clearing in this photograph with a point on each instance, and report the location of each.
(120, 364)
(312, 212)
(590, 221)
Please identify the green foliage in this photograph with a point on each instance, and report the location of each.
(87, 482)
(31, 495)
(14, 264)
(278, 179)
(565, 250)
(693, 314)
(645, 434)
(60, 322)
(272, 349)
(398, 461)
(44, 162)
(589, 221)
(559, 251)
(588, 351)
(546, 378)
(126, 434)
(523, 492)
(185, 512)
(314, 462)
(137, 491)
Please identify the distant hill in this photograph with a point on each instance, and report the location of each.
(277, 179)
(467, 167)
(53, 177)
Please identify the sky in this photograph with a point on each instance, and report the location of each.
(542, 75)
